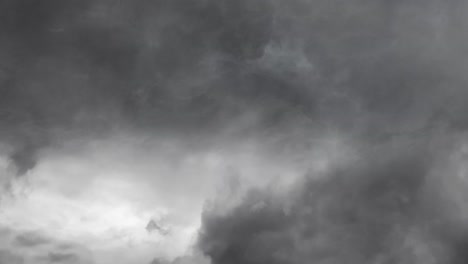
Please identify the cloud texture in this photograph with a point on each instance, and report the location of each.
(256, 131)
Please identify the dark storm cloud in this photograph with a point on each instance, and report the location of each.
(380, 73)
(348, 216)
(379, 210)
(198, 66)
(83, 67)
(146, 60)
(384, 76)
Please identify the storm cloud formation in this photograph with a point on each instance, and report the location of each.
(342, 124)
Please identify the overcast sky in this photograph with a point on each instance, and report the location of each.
(233, 131)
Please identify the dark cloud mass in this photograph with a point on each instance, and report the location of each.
(385, 78)
(355, 215)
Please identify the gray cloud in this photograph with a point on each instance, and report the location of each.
(36, 247)
(10, 257)
(61, 258)
(377, 211)
(31, 239)
(385, 77)
(199, 65)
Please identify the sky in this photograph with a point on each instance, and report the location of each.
(241, 132)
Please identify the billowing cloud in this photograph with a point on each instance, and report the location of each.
(254, 131)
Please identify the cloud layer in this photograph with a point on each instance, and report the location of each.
(256, 130)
